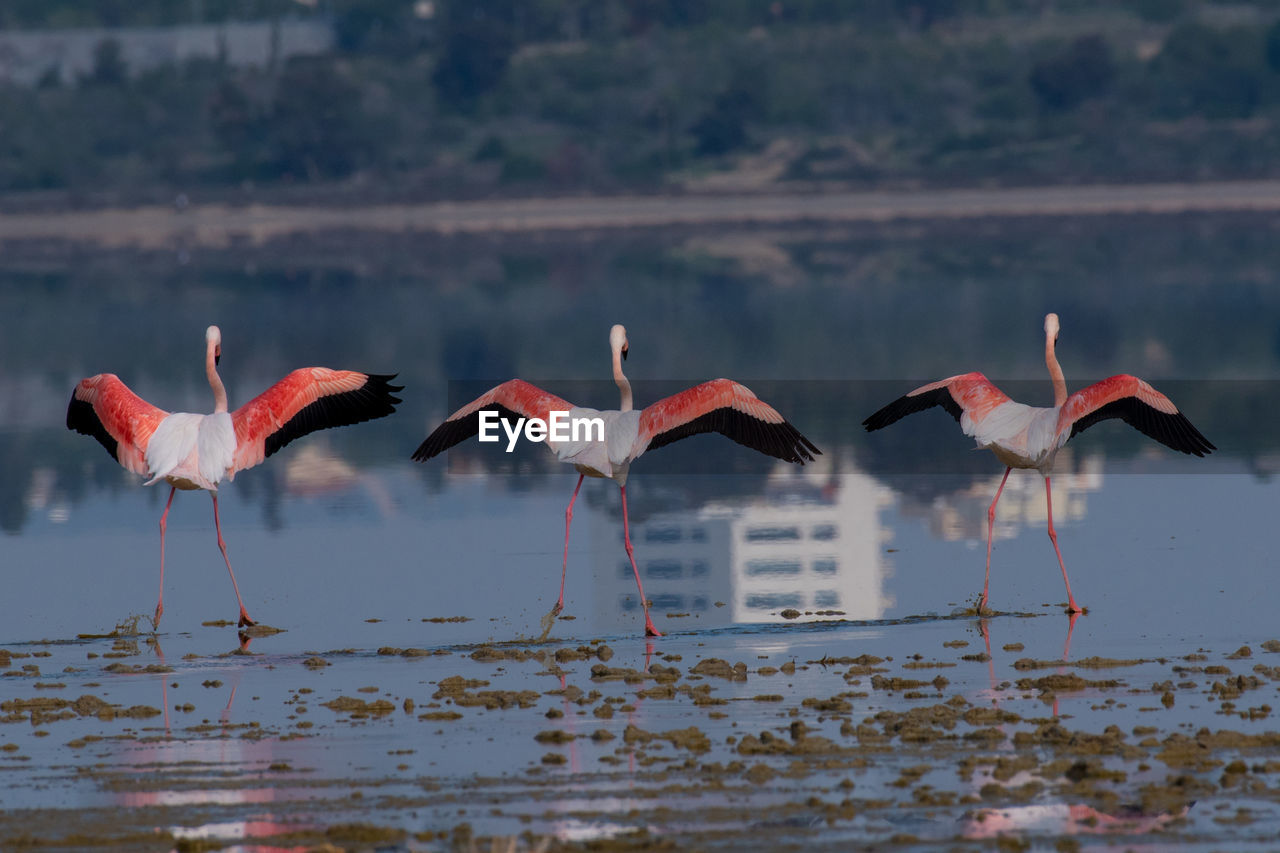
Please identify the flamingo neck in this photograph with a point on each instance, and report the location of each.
(215, 381)
(1055, 373)
(623, 385)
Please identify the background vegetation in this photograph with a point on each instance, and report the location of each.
(462, 97)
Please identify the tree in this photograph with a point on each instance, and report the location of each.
(316, 127)
(237, 123)
(1273, 46)
(109, 67)
(477, 39)
(1083, 70)
(723, 127)
(1202, 70)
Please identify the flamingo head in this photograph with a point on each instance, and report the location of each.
(618, 340)
(1051, 327)
(213, 340)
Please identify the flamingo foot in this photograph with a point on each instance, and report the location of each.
(244, 619)
(155, 620)
(649, 629)
(1075, 609)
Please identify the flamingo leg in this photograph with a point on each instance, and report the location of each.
(1071, 626)
(155, 623)
(649, 629)
(222, 546)
(1072, 607)
(564, 567)
(991, 523)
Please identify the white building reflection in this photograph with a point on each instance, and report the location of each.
(961, 515)
(812, 541)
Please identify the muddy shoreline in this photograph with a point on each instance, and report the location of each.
(704, 741)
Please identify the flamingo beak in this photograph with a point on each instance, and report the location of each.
(625, 347)
(217, 355)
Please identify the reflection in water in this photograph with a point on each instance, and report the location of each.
(961, 514)
(1050, 819)
(317, 471)
(366, 536)
(811, 541)
(1057, 819)
(213, 771)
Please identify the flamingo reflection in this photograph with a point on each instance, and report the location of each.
(1052, 819)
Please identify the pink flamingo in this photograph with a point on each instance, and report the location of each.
(1024, 436)
(720, 405)
(191, 451)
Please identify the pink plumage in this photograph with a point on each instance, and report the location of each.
(1024, 436)
(720, 405)
(195, 451)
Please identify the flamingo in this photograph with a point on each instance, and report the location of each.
(1024, 436)
(191, 451)
(720, 405)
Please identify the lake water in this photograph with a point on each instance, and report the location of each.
(395, 577)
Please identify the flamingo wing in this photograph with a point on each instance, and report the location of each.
(1137, 404)
(102, 406)
(512, 400)
(969, 393)
(306, 400)
(728, 408)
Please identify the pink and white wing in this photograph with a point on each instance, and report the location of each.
(308, 399)
(968, 394)
(1136, 403)
(726, 407)
(102, 406)
(512, 400)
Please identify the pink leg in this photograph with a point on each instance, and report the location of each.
(649, 629)
(1071, 626)
(244, 614)
(1053, 537)
(564, 567)
(991, 523)
(985, 629)
(163, 518)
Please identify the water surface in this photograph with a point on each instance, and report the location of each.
(357, 554)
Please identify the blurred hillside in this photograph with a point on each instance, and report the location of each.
(431, 99)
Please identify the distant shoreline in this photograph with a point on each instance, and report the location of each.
(217, 225)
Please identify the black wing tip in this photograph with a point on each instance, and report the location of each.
(909, 404)
(1192, 440)
(82, 418)
(781, 440)
(425, 450)
(885, 415)
(456, 430)
(802, 449)
(446, 435)
(880, 419)
(380, 385)
(1172, 429)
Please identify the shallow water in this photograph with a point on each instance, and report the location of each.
(392, 577)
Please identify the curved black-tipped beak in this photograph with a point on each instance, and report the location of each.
(625, 347)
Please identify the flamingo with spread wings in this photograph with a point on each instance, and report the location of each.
(720, 405)
(192, 451)
(1024, 436)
